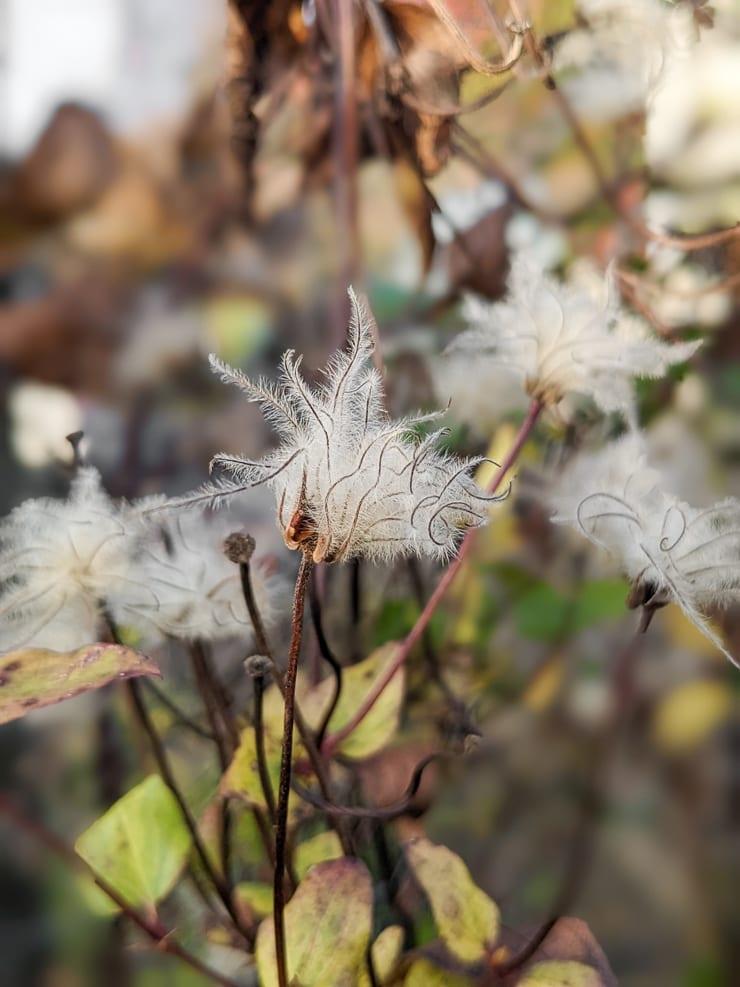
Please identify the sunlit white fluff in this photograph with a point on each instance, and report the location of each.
(671, 551)
(615, 62)
(348, 480)
(59, 560)
(188, 588)
(559, 338)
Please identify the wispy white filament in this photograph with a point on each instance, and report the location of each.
(59, 559)
(671, 551)
(346, 478)
(558, 339)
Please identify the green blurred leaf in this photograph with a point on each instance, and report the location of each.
(35, 677)
(597, 601)
(466, 918)
(140, 845)
(327, 928)
(542, 614)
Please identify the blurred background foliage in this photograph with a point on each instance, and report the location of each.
(165, 194)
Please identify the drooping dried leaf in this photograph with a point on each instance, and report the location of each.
(140, 845)
(467, 919)
(35, 677)
(327, 928)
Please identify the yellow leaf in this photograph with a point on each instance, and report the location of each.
(687, 636)
(323, 846)
(557, 973)
(689, 713)
(466, 918)
(545, 685)
(380, 724)
(241, 779)
(422, 973)
(256, 895)
(327, 928)
(385, 952)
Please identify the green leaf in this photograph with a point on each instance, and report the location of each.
(557, 973)
(323, 846)
(36, 677)
(241, 779)
(256, 895)
(327, 928)
(140, 845)
(542, 614)
(380, 724)
(422, 973)
(385, 952)
(598, 601)
(466, 918)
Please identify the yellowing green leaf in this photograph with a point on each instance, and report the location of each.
(466, 918)
(689, 713)
(385, 952)
(36, 677)
(380, 724)
(140, 845)
(422, 973)
(327, 928)
(323, 846)
(256, 895)
(561, 973)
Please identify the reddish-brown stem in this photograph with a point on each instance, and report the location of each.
(281, 812)
(150, 925)
(422, 622)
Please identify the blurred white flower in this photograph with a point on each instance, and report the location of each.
(671, 551)
(558, 339)
(616, 60)
(189, 589)
(480, 392)
(347, 480)
(59, 561)
(41, 416)
(692, 134)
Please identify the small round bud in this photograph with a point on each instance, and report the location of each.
(257, 666)
(239, 547)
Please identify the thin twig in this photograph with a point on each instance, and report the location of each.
(163, 764)
(281, 819)
(181, 717)
(683, 242)
(385, 812)
(412, 638)
(151, 926)
(328, 655)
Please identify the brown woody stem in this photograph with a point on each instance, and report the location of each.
(281, 812)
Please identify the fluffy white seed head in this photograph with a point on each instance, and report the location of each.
(671, 551)
(59, 559)
(615, 62)
(558, 339)
(349, 481)
(188, 589)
